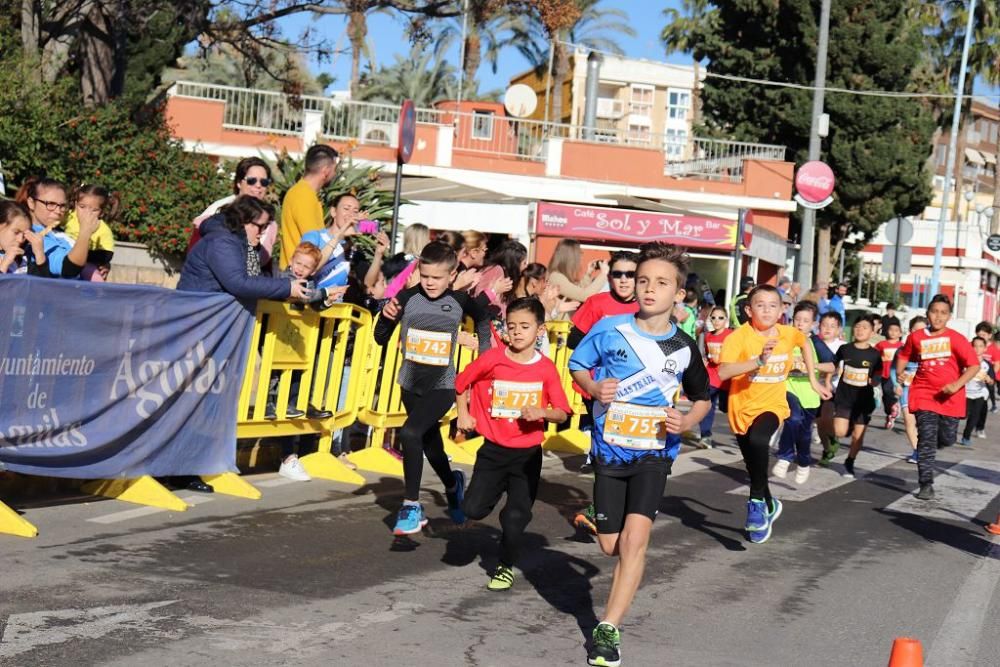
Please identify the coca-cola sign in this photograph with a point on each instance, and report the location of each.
(814, 184)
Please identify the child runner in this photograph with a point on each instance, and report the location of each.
(757, 358)
(887, 349)
(902, 383)
(831, 328)
(803, 401)
(514, 391)
(945, 363)
(985, 331)
(976, 394)
(860, 368)
(430, 315)
(716, 331)
(640, 362)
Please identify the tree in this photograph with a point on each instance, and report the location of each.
(492, 26)
(678, 34)
(223, 65)
(878, 146)
(422, 76)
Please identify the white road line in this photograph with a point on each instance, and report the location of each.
(125, 515)
(963, 491)
(958, 639)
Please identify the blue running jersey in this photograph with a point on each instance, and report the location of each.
(650, 369)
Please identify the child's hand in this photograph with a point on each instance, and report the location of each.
(391, 309)
(674, 422)
(334, 294)
(37, 244)
(606, 390)
(467, 340)
(824, 392)
(502, 285)
(8, 259)
(466, 422)
(532, 414)
(768, 349)
(950, 388)
(466, 280)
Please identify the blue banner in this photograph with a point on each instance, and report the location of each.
(101, 381)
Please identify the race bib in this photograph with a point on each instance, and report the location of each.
(773, 371)
(856, 377)
(714, 351)
(431, 348)
(510, 397)
(635, 426)
(935, 348)
(889, 353)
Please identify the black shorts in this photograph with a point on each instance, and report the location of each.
(618, 495)
(859, 412)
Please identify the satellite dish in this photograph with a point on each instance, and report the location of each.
(520, 100)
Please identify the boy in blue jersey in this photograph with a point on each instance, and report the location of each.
(639, 363)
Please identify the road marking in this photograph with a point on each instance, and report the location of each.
(958, 639)
(822, 479)
(138, 512)
(26, 632)
(962, 492)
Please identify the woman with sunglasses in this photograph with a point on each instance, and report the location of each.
(716, 330)
(253, 178)
(46, 200)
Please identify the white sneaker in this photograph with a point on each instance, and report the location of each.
(780, 469)
(815, 437)
(773, 444)
(291, 468)
(981, 434)
(801, 474)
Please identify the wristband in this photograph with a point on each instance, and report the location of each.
(760, 362)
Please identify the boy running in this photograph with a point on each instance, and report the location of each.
(887, 349)
(640, 362)
(757, 357)
(860, 368)
(902, 384)
(945, 364)
(430, 314)
(976, 394)
(507, 395)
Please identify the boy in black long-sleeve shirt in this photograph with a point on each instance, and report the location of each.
(431, 315)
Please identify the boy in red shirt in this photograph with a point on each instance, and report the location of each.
(984, 330)
(507, 395)
(945, 364)
(887, 349)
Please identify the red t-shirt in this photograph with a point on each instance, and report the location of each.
(941, 358)
(598, 306)
(887, 349)
(501, 387)
(992, 354)
(713, 352)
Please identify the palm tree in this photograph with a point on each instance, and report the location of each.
(677, 37)
(490, 28)
(576, 22)
(423, 76)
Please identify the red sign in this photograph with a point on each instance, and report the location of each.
(814, 181)
(616, 224)
(747, 228)
(407, 131)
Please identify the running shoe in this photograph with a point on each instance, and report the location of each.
(981, 434)
(815, 436)
(756, 516)
(292, 468)
(912, 458)
(704, 442)
(606, 648)
(586, 519)
(834, 446)
(410, 520)
(965, 442)
(926, 492)
(801, 474)
(780, 469)
(993, 528)
(503, 578)
(764, 534)
(848, 467)
(455, 498)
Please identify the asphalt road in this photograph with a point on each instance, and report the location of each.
(310, 574)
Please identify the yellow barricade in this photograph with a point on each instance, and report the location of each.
(570, 438)
(308, 350)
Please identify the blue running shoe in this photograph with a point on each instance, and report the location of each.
(760, 536)
(912, 458)
(756, 515)
(410, 520)
(456, 497)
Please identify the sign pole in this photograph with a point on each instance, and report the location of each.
(895, 260)
(404, 150)
(738, 255)
(395, 206)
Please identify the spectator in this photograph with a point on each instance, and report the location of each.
(15, 229)
(737, 311)
(98, 200)
(415, 237)
(836, 302)
(507, 262)
(227, 259)
(252, 177)
(784, 285)
(46, 200)
(565, 273)
(332, 241)
(890, 317)
(301, 209)
(472, 254)
(534, 282)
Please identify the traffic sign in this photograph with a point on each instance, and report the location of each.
(407, 131)
(993, 242)
(899, 230)
(889, 256)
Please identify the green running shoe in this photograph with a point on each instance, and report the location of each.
(606, 650)
(503, 578)
(586, 519)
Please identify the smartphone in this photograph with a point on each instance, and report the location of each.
(368, 227)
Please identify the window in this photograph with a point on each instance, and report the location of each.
(482, 124)
(678, 104)
(638, 134)
(674, 143)
(942, 152)
(993, 132)
(641, 100)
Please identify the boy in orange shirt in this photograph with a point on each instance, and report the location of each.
(757, 357)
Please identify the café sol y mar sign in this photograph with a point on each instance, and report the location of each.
(615, 224)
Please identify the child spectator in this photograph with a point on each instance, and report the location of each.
(507, 395)
(15, 230)
(945, 364)
(976, 393)
(334, 266)
(686, 314)
(96, 200)
(716, 332)
(45, 198)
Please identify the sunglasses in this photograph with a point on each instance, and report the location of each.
(718, 317)
(260, 228)
(618, 275)
(53, 205)
(253, 180)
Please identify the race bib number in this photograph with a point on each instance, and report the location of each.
(856, 377)
(510, 397)
(935, 348)
(431, 348)
(635, 426)
(773, 371)
(714, 351)
(889, 353)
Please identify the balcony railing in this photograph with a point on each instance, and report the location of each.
(485, 133)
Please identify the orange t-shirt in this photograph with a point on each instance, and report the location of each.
(753, 394)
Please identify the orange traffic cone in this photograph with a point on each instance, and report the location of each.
(994, 527)
(906, 652)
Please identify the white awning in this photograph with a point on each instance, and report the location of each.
(989, 157)
(768, 246)
(972, 156)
